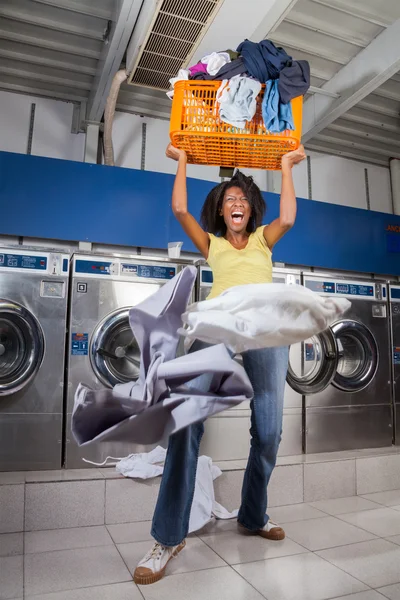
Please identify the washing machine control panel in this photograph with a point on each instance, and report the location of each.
(395, 293)
(122, 269)
(206, 277)
(359, 289)
(45, 263)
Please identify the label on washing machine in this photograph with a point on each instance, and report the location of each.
(148, 271)
(396, 355)
(23, 261)
(325, 287)
(352, 289)
(80, 344)
(207, 276)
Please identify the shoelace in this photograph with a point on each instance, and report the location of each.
(155, 552)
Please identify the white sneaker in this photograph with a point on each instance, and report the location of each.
(152, 567)
(270, 531)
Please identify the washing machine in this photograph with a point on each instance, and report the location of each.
(226, 435)
(102, 350)
(394, 297)
(345, 373)
(33, 309)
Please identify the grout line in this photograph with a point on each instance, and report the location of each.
(23, 545)
(248, 583)
(343, 571)
(105, 502)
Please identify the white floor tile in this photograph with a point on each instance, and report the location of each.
(391, 498)
(323, 481)
(66, 539)
(71, 569)
(328, 532)
(236, 548)
(391, 591)
(197, 556)
(381, 521)
(376, 562)
(218, 526)
(370, 595)
(11, 577)
(117, 591)
(12, 477)
(128, 501)
(110, 473)
(11, 544)
(302, 577)
(221, 584)
(377, 474)
(395, 539)
(62, 475)
(130, 532)
(339, 506)
(64, 504)
(11, 508)
(295, 512)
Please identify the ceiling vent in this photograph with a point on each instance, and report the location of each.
(175, 31)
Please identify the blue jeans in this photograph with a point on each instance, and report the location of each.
(266, 370)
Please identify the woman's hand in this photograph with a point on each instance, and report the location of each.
(293, 158)
(175, 153)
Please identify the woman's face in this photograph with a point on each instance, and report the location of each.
(236, 210)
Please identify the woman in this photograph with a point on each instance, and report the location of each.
(238, 249)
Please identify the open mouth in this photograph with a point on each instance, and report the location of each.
(237, 217)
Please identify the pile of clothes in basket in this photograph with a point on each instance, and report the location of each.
(242, 73)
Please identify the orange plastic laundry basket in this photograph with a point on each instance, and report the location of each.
(196, 128)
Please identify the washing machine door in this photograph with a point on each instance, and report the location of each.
(358, 356)
(21, 347)
(114, 352)
(313, 363)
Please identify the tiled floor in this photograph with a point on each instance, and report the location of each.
(346, 548)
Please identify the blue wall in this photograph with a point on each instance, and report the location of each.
(57, 199)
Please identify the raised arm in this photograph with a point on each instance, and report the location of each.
(288, 205)
(179, 204)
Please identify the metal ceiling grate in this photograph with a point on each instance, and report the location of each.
(177, 29)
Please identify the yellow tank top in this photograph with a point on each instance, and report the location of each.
(230, 266)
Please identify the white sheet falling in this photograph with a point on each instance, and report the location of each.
(261, 315)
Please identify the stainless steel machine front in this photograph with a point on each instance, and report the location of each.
(394, 297)
(226, 435)
(345, 372)
(33, 309)
(102, 350)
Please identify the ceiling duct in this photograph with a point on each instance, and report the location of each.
(172, 31)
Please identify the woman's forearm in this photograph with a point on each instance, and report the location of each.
(179, 192)
(288, 203)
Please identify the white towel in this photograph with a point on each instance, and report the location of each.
(215, 61)
(261, 315)
(237, 100)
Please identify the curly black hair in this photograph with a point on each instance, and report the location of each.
(213, 222)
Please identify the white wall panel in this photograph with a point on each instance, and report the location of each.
(338, 180)
(380, 192)
(14, 122)
(127, 140)
(52, 135)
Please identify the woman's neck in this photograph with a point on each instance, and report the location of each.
(237, 239)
